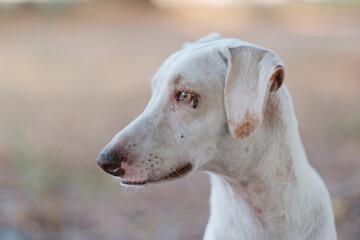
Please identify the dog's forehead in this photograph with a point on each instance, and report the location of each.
(197, 61)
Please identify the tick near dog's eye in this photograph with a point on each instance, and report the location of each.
(183, 96)
(188, 97)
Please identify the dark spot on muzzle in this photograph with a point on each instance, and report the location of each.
(110, 162)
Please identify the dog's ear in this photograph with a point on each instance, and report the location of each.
(211, 37)
(252, 74)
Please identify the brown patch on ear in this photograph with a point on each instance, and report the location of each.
(250, 123)
(277, 78)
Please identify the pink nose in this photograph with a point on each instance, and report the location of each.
(110, 162)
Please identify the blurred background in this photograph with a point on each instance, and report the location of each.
(74, 73)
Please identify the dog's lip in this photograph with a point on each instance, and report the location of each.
(179, 172)
(116, 172)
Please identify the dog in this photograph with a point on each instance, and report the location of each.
(220, 105)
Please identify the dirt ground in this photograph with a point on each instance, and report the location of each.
(71, 76)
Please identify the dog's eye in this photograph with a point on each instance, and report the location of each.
(186, 97)
(183, 96)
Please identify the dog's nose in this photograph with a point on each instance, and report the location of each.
(110, 162)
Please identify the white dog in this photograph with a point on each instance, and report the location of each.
(219, 105)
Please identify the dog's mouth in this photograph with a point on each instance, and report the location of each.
(177, 173)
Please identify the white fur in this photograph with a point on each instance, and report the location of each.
(245, 137)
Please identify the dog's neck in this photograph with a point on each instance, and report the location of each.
(254, 178)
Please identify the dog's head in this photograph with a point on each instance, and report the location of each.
(210, 90)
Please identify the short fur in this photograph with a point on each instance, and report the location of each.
(243, 132)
